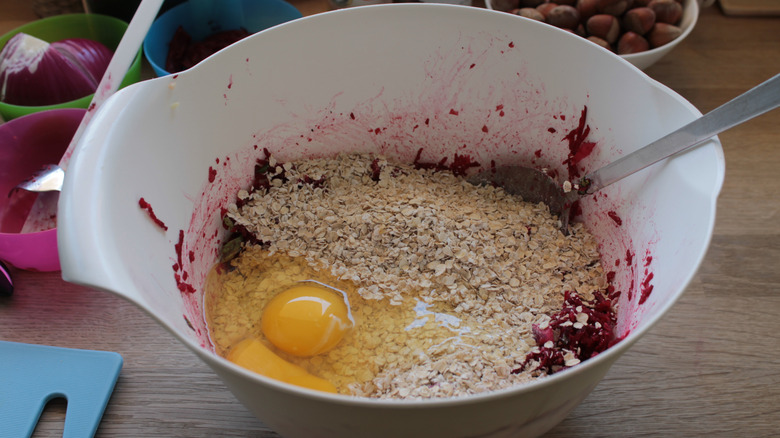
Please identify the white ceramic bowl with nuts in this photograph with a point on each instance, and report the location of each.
(640, 31)
(450, 80)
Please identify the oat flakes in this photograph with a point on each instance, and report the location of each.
(401, 236)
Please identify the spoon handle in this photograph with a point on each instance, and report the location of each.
(758, 100)
(120, 63)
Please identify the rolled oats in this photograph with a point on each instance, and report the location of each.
(409, 236)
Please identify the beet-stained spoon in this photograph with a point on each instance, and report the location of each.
(535, 186)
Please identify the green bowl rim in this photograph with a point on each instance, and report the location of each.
(133, 73)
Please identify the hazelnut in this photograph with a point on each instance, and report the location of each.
(600, 42)
(613, 7)
(531, 13)
(530, 3)
(504, 5)
(564, 16)
(587, 8)
(631, 42)
(603, 26)
(567, 2)
(662, 33)
(639, 20)
(545, 8)
(641, 3)
(666, 11)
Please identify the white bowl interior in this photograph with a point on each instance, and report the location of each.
(447, 79)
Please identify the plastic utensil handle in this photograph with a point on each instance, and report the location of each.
(117, 68)
(758, 100)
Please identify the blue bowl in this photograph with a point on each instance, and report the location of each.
(201, 18)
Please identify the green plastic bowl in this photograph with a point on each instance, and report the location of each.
(101, 28)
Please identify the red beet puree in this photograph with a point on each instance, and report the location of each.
(184, 53)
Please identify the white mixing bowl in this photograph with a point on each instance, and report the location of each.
(392, 79)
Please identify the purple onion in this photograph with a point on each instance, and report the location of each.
(34, 72)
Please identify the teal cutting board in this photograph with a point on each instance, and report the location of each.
(32, 375)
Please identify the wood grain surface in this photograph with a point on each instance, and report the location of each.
(751, 8)
(711, 367)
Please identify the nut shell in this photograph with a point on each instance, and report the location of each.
(564, 16)
(631, 42)
(603, 26)
(587, 8)
(545, 8)
(531, 13)
(639, 20)
(662, 33)
(666, 11)
(613, 7)
(504, 5)
(600, 42)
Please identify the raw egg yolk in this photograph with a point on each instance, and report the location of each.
(254, 356)
(306, 320)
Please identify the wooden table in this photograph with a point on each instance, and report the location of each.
(710, 368)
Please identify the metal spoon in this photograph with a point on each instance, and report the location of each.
(535, 186)
(49, 178)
